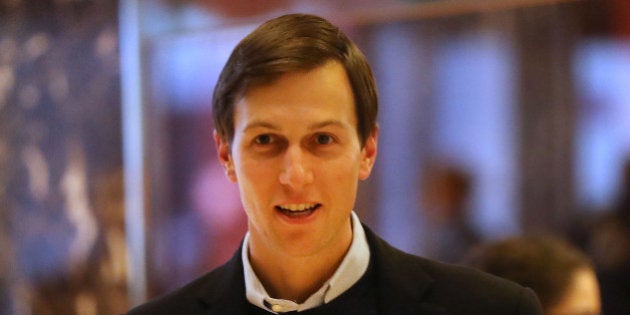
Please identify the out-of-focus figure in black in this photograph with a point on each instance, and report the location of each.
(444, 199)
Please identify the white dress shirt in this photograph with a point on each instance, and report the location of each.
(351, 269)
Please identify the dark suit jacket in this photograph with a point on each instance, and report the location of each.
(407, 284)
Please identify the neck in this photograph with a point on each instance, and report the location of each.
(295, 278)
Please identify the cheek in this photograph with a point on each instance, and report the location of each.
(254, 178)
(349, 167)
(344, 176)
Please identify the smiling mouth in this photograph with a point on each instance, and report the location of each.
(298, 210)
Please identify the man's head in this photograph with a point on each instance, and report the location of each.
(561, 275)
(293, 43)
(295, 113)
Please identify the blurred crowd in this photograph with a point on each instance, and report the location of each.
(586, 268)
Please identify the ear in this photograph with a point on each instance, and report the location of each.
(368, 155)
(225, 156)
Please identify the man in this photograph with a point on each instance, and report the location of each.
(295, 116)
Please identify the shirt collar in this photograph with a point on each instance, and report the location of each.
(351, 269)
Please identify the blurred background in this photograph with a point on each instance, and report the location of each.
(498, 118)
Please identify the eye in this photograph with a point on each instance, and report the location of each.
(323, 139)
(263, 139)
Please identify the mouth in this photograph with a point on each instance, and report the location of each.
(298, 210)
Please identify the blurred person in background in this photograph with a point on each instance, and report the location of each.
(444, 201)
(562, 276)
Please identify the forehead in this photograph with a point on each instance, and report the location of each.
(305, 92)
(269, 74)
(328, 67)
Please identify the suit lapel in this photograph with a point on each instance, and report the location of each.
(225, 292)
(402, 282)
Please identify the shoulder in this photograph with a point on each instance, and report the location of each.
(458, 286)
(453, 288)
(199, 295)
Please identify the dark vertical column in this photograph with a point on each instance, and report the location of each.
(545, 39)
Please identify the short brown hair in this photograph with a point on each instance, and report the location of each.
(292, 43)
(544, 263)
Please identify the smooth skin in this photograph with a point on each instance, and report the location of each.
(297, 159)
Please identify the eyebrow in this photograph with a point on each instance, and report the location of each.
(263, 124)
(260, 124)
(326, 123)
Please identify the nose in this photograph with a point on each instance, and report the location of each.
(295, 173)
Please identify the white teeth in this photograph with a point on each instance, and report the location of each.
(298, 206)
